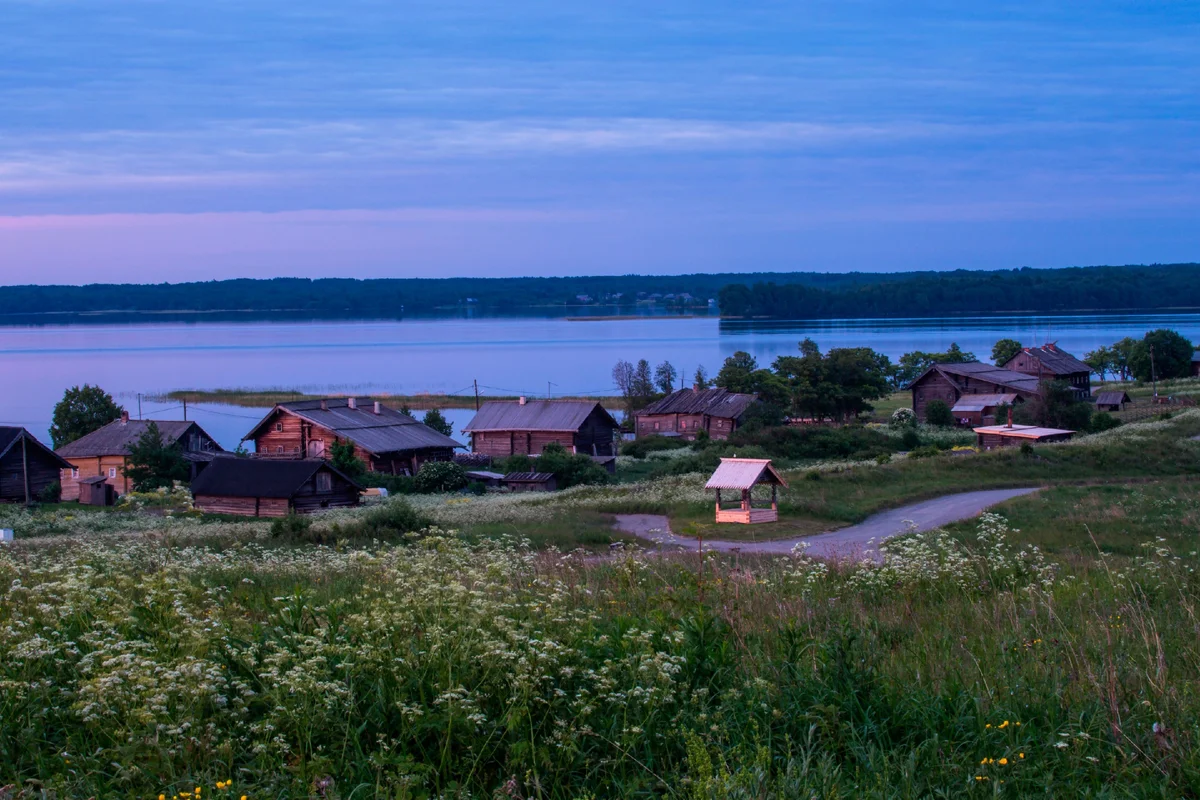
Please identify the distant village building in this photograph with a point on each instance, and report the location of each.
(1196, 364)
(504, 428)
(997, 436)
(686, 412)
(531, 481)
(27, 467)
(951, 382)
(980, 409)
(105, 452)
(385, 440)
(1112, 401)
(1049, 363)
(252, 487)
(742, 475)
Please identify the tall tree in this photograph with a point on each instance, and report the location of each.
(436, 420)
(1122, 354)
(664, 377)
(1102, 360)
(82, 410)
(343, 457)
(642, 387)
(700, 379)
(154, 463)
(840, 384)
(622, 375)
(914, 363)
(1004, 350)
(1161, 354)
(736, 371)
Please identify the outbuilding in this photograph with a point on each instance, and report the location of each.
(997, 436)
(531, 481)
(252, 487)
(27, 467)
(504, 428)
(742, 475)
(1112, 401)
(96, 491)
(980, 409)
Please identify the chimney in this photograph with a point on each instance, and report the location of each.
(351, 402)
(324, 404)
(695, 387)
(378, 407)
(124, 417)
(521, 401)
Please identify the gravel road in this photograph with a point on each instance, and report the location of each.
(854, 542)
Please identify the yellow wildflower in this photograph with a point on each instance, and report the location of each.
(1003, 761)
(1020, 755)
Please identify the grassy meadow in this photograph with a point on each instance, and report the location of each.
(1047, 649)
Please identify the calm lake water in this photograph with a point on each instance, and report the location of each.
(506, 355)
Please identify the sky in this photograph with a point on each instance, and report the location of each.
(183, 140)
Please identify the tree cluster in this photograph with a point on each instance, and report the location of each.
(1159, 355)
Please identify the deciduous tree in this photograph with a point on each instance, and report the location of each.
(154, 463)
(1004, 350)
(1161, 354)
(82, 410)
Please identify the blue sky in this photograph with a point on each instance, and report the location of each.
(182, 140)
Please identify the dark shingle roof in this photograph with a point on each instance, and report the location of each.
(252, 477)
(984, 372)
(1060, 362)
(534, 415)
(115, 438)
(1111, 398)
(528, 477)
(714, 402)
(389, 431)
(10, 437)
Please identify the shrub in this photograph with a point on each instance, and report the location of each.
(926, 451)
(51, 494)
(937, 413)
(569, 469)
(293, 527)
(518, 462)
(1103, 421)
(911, 440)
(440, 476)
(903, 418)
(640, 448)
(476, 488)
(344, 459)
(395, 484)
(386, 522)
(883, 458)
(811, 442)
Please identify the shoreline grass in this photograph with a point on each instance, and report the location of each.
(266, 398)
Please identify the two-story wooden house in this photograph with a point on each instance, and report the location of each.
(1049, 363)
(105, 452)
(688, 411)
(501, 429)
(27, 467)
(384, 439)
(951, 383)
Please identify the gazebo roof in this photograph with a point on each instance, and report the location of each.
(744, 473)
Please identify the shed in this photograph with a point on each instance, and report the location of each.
(27, 467)
(996, 436)
(487, 478)
(96, 491)
(742, 475)
(531, 481)
(252, 487)
(1112, 401)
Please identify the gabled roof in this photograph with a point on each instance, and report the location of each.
(11, 437)
(230, 476)
(528, 477)
(534, 415)
(713, 402)
(1111, 398)
(984, 372)
(389, 431)
(1060, 362)
(115, 438)
(744, 473)
(979, 402)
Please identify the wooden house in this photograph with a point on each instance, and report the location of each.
(1112, 401)
(501, 429)
(1196, 364)
(1049, 363)
(686, 412)
(253, 487)
(385, 440)
(951, 382)
(531, 481)
(106, 451)
(742, 475)
(997, 436)
(27, 467)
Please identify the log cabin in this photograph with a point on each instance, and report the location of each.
(998, 436)
(385, 440)
(742, 475)
(686, 412)
(1049, 363)
(950, 382)
(106, 451)
(27, 467)
(253, 487)
(501, 429)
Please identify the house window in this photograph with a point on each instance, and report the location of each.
(112, 472)
(324, 482)
(279, 427)
(656, 426)
(279, 449)
(75, 473)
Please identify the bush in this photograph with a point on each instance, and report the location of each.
(292, 527)
(903, 418)
(938, 414)
(569, 469)
(395, 484)
(440, 476)
(518, 462)
(911, 440)
(51, 494)
(476, 488)
(387, 522)
(796, 442)
(1103, 421)
(927, 451)
(640, 448)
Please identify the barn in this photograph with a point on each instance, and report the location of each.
(252, 487)
(1050, 363)
(718, 412)
(27, 467)
(951, 382)
(501, 429)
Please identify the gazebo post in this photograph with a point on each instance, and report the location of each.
(774, 497)
(718, 501)
(745, 499)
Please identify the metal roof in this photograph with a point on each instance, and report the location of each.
(979, 402)
(1060, 362)
(254, 477)
(10, 437)
(743, 473)
(984, 372)
(1023, 431)
(1111, 398)
(389, 431)
(713, 402)
(528, 477)
(534, 415)
(115, 438)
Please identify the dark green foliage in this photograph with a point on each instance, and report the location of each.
(1103, 421)
(910, 439)
(51, 494)
(570, 469)
(640, 448)
(925, 451)
(82, 410)
(387, 522)
(839, 384)
(518, 462)
(741, 373)
(814, 442)
(913, 364)
(476, 488)
(440, 476)
(395, 484)
(1004, 350)
(292, 527)
(664, 377)
(758, 416)
(1056, 407)
(938, 414)
(153, 463)
(342, 457)
(1172, 356)
(435, 419)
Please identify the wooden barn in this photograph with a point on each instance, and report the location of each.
(531, 481)
(385, 440)
(742, 475)
(27, 467)
(501, 429)
(951, 382)
(254, 487)
(997, 436)
(1112, 401)
(1049, 363)
(105, 451)
(686, 412)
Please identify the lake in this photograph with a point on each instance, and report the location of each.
(532, 356)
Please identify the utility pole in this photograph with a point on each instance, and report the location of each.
(548, 385)
(139, 405)
(185, 409)
(476, 382)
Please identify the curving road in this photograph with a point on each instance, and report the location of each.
(854, 542)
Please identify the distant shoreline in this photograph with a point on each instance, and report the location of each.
(267, 398)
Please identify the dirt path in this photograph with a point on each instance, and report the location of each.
(852, 542)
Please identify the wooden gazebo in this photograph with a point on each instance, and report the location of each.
(742, 475)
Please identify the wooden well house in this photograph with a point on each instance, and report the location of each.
(742, 475)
